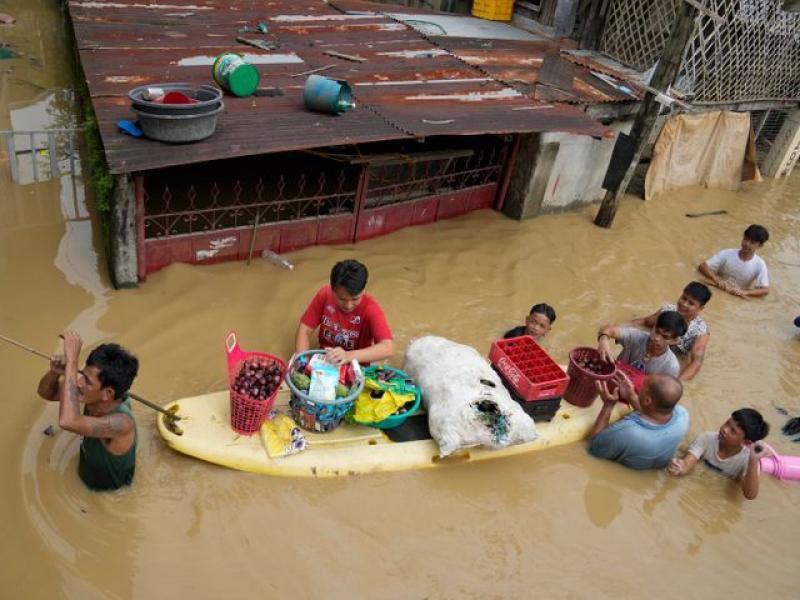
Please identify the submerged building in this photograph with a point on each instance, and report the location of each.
(452, 115)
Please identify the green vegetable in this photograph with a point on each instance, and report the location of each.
(301, 381)
(341, 390)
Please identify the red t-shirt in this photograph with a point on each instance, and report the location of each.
(362, 328)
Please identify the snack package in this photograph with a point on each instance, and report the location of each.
(324, 378)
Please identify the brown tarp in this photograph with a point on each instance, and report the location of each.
(713, 149)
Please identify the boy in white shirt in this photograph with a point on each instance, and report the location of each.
(740, 272)
(731, 451)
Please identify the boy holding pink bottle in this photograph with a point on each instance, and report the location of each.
(729, 451)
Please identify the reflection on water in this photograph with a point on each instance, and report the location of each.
(557, 522)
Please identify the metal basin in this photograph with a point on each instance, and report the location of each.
(208, 97)
(178, 129)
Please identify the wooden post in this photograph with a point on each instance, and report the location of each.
(644, 123)
(592, 16)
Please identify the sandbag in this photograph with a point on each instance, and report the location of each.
(467, 403)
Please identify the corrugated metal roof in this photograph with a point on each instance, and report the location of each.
(407, 87)
(520, 64)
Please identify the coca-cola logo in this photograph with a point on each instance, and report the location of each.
(509, 370)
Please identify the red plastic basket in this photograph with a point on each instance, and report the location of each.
(582, 388)
(635, 375)
(247, 414)
(528, 368)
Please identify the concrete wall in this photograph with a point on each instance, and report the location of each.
(556, 171)
(579, 168)
(122, 231)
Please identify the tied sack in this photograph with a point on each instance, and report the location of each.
(467, 403)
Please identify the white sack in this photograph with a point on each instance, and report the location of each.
(466, 401)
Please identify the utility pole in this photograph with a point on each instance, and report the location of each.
(645, 121)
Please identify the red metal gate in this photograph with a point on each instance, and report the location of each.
(200, 215)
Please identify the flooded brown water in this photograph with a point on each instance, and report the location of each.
(555, 524)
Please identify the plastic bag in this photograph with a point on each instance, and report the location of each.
(467, 403)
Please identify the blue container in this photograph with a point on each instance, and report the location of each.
(332, 96)
(316, 415)
(397, 419)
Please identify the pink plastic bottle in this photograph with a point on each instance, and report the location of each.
(784, 467)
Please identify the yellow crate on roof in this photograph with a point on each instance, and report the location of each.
(494, 10)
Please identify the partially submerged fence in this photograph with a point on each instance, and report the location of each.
(749, 51)
(40, 155)
(240, 207)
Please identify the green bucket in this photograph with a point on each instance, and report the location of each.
(233, 73)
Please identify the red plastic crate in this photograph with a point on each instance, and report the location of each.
(528, 368)
(635, 375)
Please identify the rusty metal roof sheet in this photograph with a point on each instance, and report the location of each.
(406, 88)
(521, 64)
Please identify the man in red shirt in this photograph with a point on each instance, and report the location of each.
(351, 323)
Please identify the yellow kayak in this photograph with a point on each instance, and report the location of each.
(349, 449)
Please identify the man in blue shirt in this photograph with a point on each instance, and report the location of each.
(648, 437)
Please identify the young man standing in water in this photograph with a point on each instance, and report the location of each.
(108, 448)
(740, 272)
(351, 323)
(694, 342)
(646, 352)
(648, 437)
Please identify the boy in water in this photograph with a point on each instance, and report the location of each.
(740, 272)
(351, 323)
(727, 451)
(694, 342)
(537, 323)
(647, 352)
(108, 448)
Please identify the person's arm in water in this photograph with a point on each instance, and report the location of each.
(646, 322)
(709, 274)
(696, 357)
(69, 410)
(50, 381)
(717, 281)
(606, 338)
(753, 293)
(682, 465)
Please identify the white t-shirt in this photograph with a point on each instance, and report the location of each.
(728, 265)
(706, 448)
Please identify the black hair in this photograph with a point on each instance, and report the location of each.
(673, 322)
(698, 291)
(117, 367)
(757, 233)
(351, 275)
(666, 391)
(546, 310)
(752, 423)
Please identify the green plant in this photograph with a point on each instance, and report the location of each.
(101, 180)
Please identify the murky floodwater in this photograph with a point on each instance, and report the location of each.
(556, 524)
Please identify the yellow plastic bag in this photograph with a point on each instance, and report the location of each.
(281, 435)
(373, 410)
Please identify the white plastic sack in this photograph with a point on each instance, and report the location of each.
(466, 401)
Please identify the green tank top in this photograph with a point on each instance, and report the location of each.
(101, 470)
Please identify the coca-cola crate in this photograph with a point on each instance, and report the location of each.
(528, 369)
(538, 410)
(635, 375)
